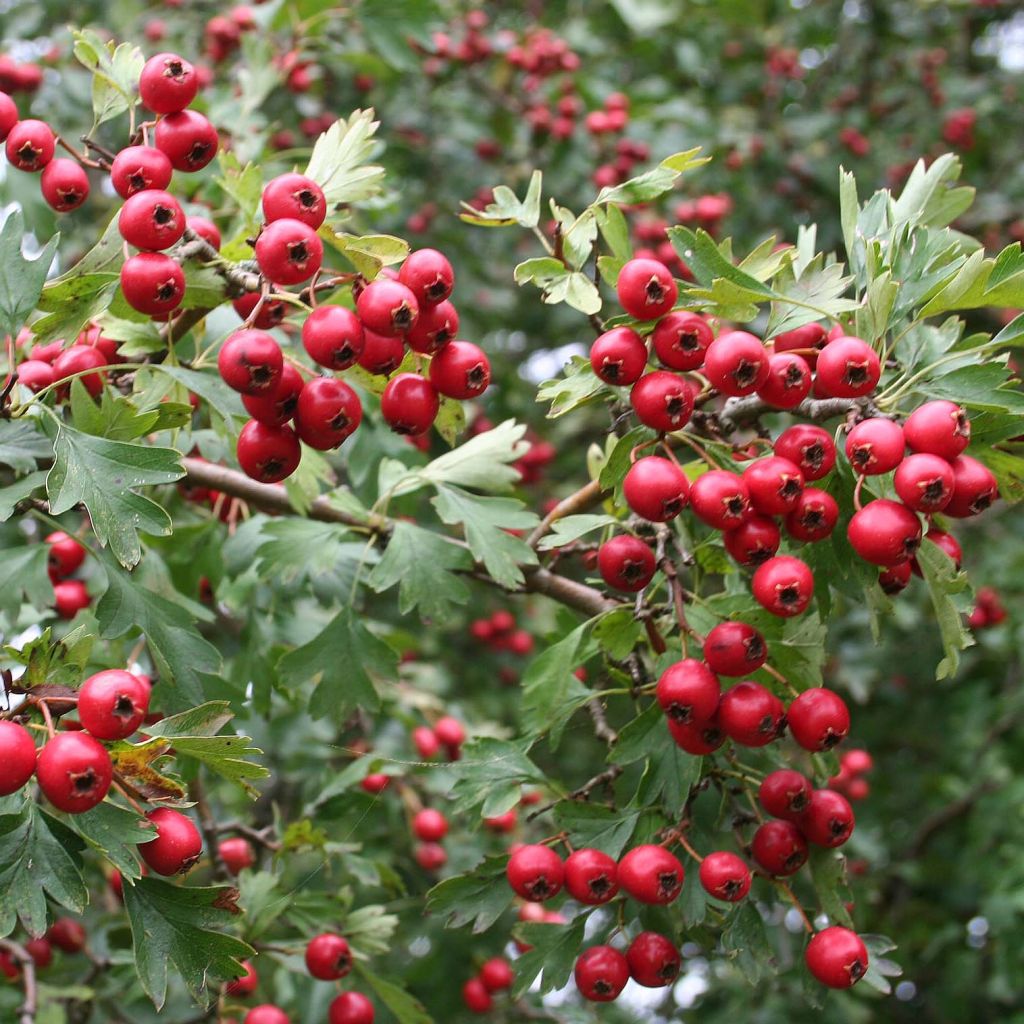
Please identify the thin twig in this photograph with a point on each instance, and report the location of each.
(27, 1011)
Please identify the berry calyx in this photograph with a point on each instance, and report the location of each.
(651, 874)
(619, 356)
(924, 482)
(289, 251)
(783, 585)
(662, 401)
(720, 498)
(774, 485)
(535, 872)
(811, 449)
(725, 876)
(848, 367)
(680, 340)
(814, 516)
(591, 876)
(64, 184)
(646, 289)
(152, 283)
(74, 772)
(387, 307)
(736, 363)
(333, 337)
(688, 691)
(112, 704)
(177, 846)
(30, 145)
(328, 957)
(138, 168)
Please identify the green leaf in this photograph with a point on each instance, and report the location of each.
(21, 279)
(614, 228)
(709, 263)
(55, 662)
(551, 693)
(641, 736)
(114, 833)
(242, 184)
(983, 282)
(554, 952)
(880, 968)
(656, 182)
(23, 572)
(984, 386)
(577, 387)
(828, 875)
(943, 580)
(12, 496)
(405, 1008)
(339, 164)
(208, 386)
(670, 774)
(115, 72)
(746, 940)
(602, 828)
(491, 774)
(484, 462)
(479, 897)
(565, 531)
(367, 253)
(22, 445)
(506, 209)
(174, 924)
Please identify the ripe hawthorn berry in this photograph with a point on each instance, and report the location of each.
(266, 1013)
(187, 139)
(811, 449)
(818, 719)
(736, 363)
(177, 845)
(246, 984)
(434, 328)
(251, 362)
(375, 783)
(41, 952)
(328, 412)
(328, 957)
(779, 847)
(138, 168)
(646, 289)
(774, 485)
(734, 649)
(828, 820)
(460, 370)
(112, 704)
(681, 340)
(34, 373)
(619, 356)
(288, 251)
(430, 825)
(656, 489)
(720, 498)
(662, 401)
(591, 876)
(277, 407)
(17, 757)
(688, 691)
(450, 731)
(497, 974)
(875, 446)
(75, 360)
(895, 578)
(697, 738)
(476, 997)
(601, 974)
(236, 854)
(64, 184)
(74, 772)
(381, 355)
(168, 83)
(333, 337)
(751, 715)
(350, 1008)
(785, 794)
(651, 874)
(67, 934)
(947, 543)
(8, 115)
(938, 428)
(430, 856)
(783, 585)
(884, 533)
(535, 872)
(205, 229)
(837, 957)
(814, 516)
(428, 275)
(754, 541)
(151, 220)
(70, 597)
(295, 197)
(974, 488)
(268, 454)
(808, 341)
(409, 404)
(788, 382)
(924, 482)
(653, 960)
(65, 554)
(387, 307)
(502, 822)
(725, 876)
(426, 743)
(626, 563)
(152, 283)
(848, 367)
(30, 145)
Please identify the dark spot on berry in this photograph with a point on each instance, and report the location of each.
(856, 374)
(163, 215)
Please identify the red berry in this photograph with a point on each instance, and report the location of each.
(689, 691)
(653, 960)
(41, 952)
(112, 704)
(277, 407)
(17, 757)
(656, 489)
(974, 488)
(34, 373)
(76, 359)
(426, 743)
(875, 446)
(924, 482)
(785, 794)
(251, 362)
(476, 997)
(662, 401)
(535, 872)
(409, 404)
(626, 563)
(328, 412)
(601, 973)
(774, 485)
(70, 597)
(8, 115)
(503, 822)
(646, 289)
(450, 732)
(788, 382)
(813, 517)
(938, 428)
(779, 848)
(783, 585)
(177, 846)
(296, 197)
(818, 719)
(828, 820)
(387, 307)
(151, 220)
(430, 856)
(697, 738)
(725, 876)
(333, 337)
(205, 229)
(168, 83)
(246, 984)
(429, 275)
(720, 498)
(375, 783)
(272, 312)
(429, 825)
(268, 454)
(837, 957)
(236, 854)
(67, 934)
(497, 974)
(30, 145)
(350, 1008)
(591, 876)
(65, 554)
(434, 328)
(74, 772)
(619, 356)
(848, 368)
(680, 340)
(751, 715)
(947, 543)
(328, 957)
(152, 283)
(754, 541)
(736, 363)
(809, 448)
(289, 251)
(895, 578)
(808, 341)
(381, 355)
(734, 649)
(187, 139)
(266, 1013)
(64, 184)
(137, 168)
(651, 874)
(460, 370)
(884, 532)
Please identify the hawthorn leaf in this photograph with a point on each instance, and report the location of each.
(506, 209)
(22, 445)
(339, 161)
(21, 279)
(114, 833)
(490, 775)
(479, 897)
(404, 1006)
(554, 951)
(590, 825)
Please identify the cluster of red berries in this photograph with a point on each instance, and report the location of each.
(706, 211)
(495, 975)
(19, 76)
(66, 934)
(500, 634)
(447, 734)
(63, 560)
(988, 609)
(46, 365)
(958, 128)
(853, 766)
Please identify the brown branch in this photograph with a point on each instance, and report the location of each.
(194, 246)
(737, 412)
(209, 829)
(605, 778)
(586, 497)
(27, 1011)
(602, 730)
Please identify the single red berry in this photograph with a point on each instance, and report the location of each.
(70, 597)
(267, 454)
(497, 974)
(251, 362)
(814, 516)
(945, 542)
(591, 876)
(112, 704)
(381, 355)
(333, 337)
(601, 973)
(476, 997)
(74, 361)
(788, 382)
(450, 731)
(809, 448)
(236, 854)
(67, 934)
(828, 820)
(734, 649)
(884, 533)
(350, 1008)
(8, 115)
(895, 578)
(17, 757)
(177, 846)
(535, 872)
(875, 446)
(974, 488)
(626, 563)
(168, 83)
(783, 585)
(430, 856)
(818, 719)
(754, 541)
(74, 772)
(848, 368)
(205, 229)
(725, 876)
(699, 737)
(430, 825)
(653, 960)
(837, 957)
(328, 412)
(774, 485)
(246, 984)
(65, 185)
(938, 428)
(296, 197)
(656, 489)
(375, 783)
(807, 341)
(779, 848)
(751, 715)
(289, 251)
(924, 482)
(680, 340)
(662, 401)
(266, 1013)
(30, 145)
(41, 952)
(785, 794)
(93, 337)
(651, 874)
(736, 363)
(151, 220)
(619, 356)
(138, 168)
(34, 373)
(460, 370)
(434, 328)
(187, 139)
(277, 407)
(152, 283)
(429, 275)
(387, 307)
(426, 743)
(328, 957)
(409, 404)
(720, 498)
(271, 312)
(646, 289)
(502, 822)
(689, 691)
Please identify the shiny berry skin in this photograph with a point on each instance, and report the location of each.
(947, 543)
(246, 984)
(503, 822)
(837, 957)
(651, 874)
(177, 846)
(779, 848)
(17, 757)
(64, 184)
(350, 1008)
(450, 731)
(591, 876)
(426, 743)
(387, 307)
(428, 275)
(725, 876)
(734, 649)
(295, 197)
(76, 359)
(751, 715)
(774, 485)
(168, 83)
(811, 449)
(785, 794)
(112, 704)
(884, 533)
(828, 820)
(328, 413)
(688, 691)
(895, 579)
(680, 340)
(814, 516)
(662, 401)
(30, 145)
(736, 363)
(808, 341)
(41, 952)
(251, 362)
(434, 328)
(974, 488)
(151, 220)
(288, 251)
(476, 997)
(619, 356)
(497, 974)
(138, 168)
(333, 337)
(34, 373)
(381, 355)
(924, 482)
(409, 404)
(271, 313)
(848, 368)
(601, 973)
(645, 288)
(788, 382)
(67, 934)
(720, 498)
(266, 1013)
(875, 446)
(267, 454)
(236, 854)
(328, 957)
(754, 541)
(74, 772)
(656, 489)
(460, 370)
(783, 585)
(277, 407)
(697, 738)
(205, 229)
(938, 428)
(535, 872)
(626, 563)
(70, 597)
(430, 825)
(187, 139)
(653, 960)
(430, 856)
(818, 719)
(152, 283)
(375, 783)
(8, 115)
